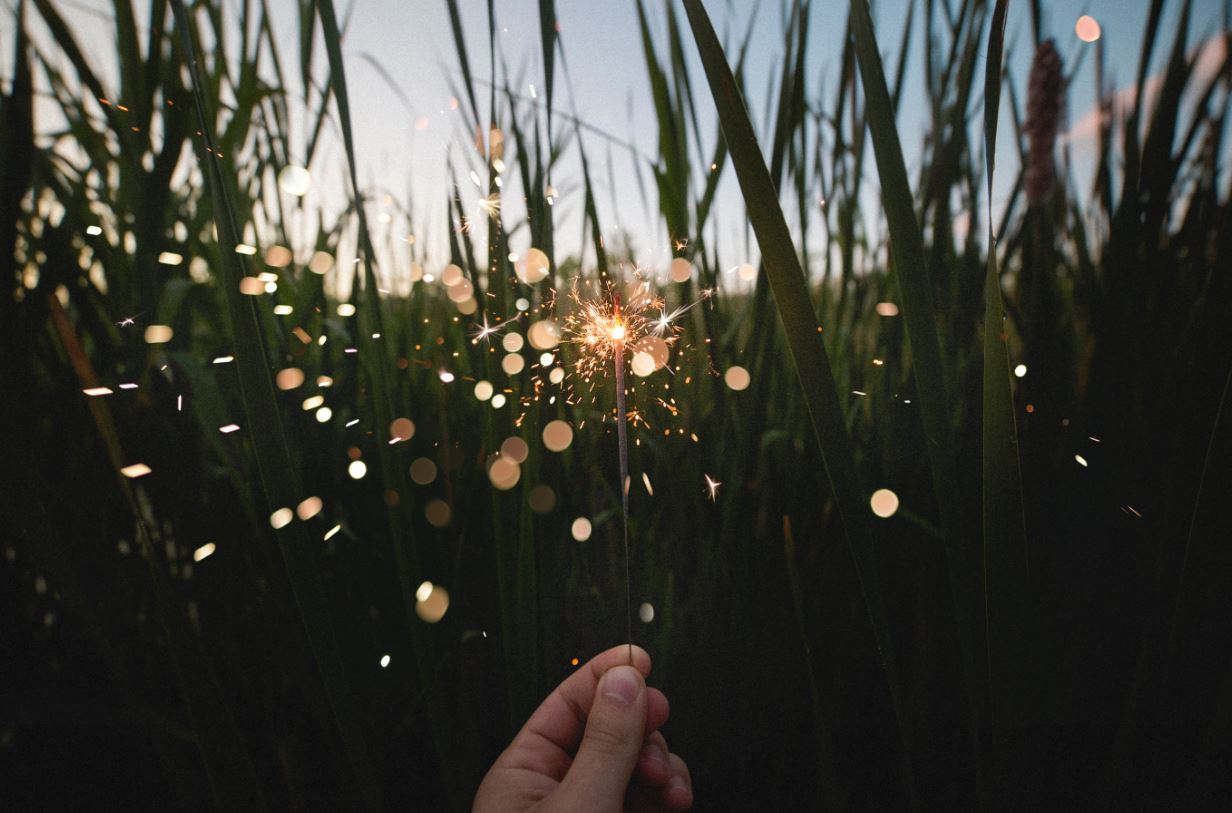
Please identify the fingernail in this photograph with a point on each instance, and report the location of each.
(621, 683)
(677, 783)
(655, 754)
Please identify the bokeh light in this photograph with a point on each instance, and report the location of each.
(294, 180)
(736, 378)
(504, 473)
(557, 436)
(423, 471)
(1087, 28)
(884, 503)
(515, 449)
(289, 378)
(438, 513)
(542, 499)
(402, 428)
(158, 334)
(681, 270)
(432, 607)
(513, 364)
(534, 267)
(309, 508)
(281, 518)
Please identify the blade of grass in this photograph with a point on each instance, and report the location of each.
(827, 782)
(808, 353)
(919, 316)
(1006, 568)
(375, 357)
(279, 480)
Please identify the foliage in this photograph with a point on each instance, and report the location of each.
(942, 658)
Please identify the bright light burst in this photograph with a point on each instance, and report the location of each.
(605, 322)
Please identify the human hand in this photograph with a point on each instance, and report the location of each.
(592, 745)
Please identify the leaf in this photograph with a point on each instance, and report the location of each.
(1006, 566)
(800, 325)
(920, 318)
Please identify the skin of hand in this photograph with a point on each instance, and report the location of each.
(592, 745)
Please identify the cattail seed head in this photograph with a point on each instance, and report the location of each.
(1044, 97)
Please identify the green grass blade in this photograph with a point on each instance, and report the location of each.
(374, 356)
(791, 296)
(1006, 568)
(827, 781)
(919, 316)
(279, 479)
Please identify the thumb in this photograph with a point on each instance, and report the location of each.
(615, 733)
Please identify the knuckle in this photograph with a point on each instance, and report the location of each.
(605, 735)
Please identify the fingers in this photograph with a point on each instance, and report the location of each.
(658, 709)
(678, 794)
(561, 718)
(612, 740)
(663, 777)
(653, 768)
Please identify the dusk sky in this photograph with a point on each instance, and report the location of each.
(403, 143)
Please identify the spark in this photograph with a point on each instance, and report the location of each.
(485, 331)
(712, 488)
(128, 321)
(491, 205)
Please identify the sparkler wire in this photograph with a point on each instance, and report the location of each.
(622, 440)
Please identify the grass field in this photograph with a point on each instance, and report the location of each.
(331, 603)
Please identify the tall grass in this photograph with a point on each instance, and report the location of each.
(834, 656)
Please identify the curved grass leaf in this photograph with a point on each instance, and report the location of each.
(1006, 569)
(919, 316)
(800, 325)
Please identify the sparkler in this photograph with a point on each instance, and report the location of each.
(617, 333)
(604, 328)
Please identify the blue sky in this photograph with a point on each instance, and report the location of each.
(606, 67)
(403, 150)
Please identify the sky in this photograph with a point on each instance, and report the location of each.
(405, 136)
